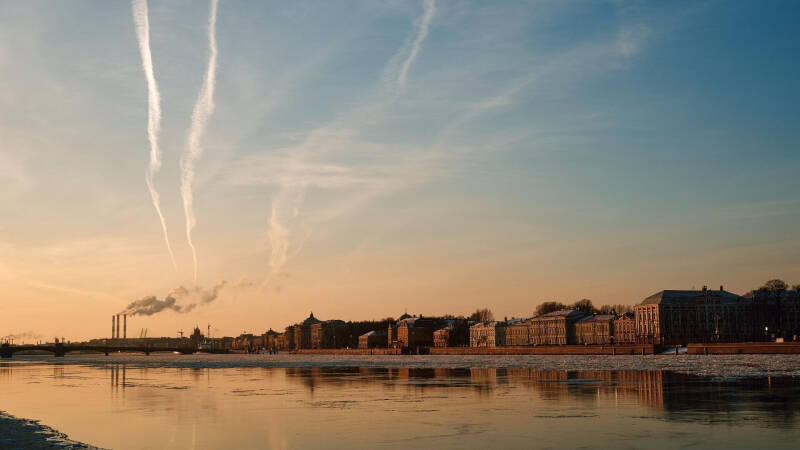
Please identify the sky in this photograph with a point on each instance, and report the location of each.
(363, 159)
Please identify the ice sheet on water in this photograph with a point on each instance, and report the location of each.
(29, 434)
(717, 366)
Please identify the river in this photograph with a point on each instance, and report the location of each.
(287, 401)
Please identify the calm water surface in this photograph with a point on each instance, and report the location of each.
(130, 405)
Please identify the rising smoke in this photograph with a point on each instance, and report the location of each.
(180, 300)
(203, 109)
(23, 336)
(142, 25)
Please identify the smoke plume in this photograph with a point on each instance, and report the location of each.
(23, 336)
(148, 306)
(425, 21)
(203, 109)
(142, 25)
(179, 300)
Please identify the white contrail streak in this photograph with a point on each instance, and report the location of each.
(203, 109)
(425, 21)
(142, 24)
(287, 202)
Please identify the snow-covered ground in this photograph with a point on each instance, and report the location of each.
(18, 433)
(715, 366)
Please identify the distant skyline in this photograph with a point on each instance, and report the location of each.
(362, 159)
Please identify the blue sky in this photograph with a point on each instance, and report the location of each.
(528, 151)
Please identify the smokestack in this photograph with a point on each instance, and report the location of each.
(112, 327)
(117, 326)
(124, 326)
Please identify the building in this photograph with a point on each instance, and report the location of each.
(270, 340)
(373, 339)
(454, 333)
(595, 330)
(391, 331)
(487, 334)
(625, 329)
(288, 338)
(415, 332)
(324, 334)
(675, 317)
(247, 342)
(555, 328)
(518, 332)
(441, 337)
(302, 332)
(776, 314)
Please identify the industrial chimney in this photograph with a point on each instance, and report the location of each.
(112, 327)
(124, 326)
(117, 326)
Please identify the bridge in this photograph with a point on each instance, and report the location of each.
(60, 349)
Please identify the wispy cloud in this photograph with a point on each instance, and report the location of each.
(422, 33)
(203, 109)
(324, 159)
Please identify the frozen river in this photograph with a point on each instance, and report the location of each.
(291, 401)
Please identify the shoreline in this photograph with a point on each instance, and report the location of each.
(16, 432)
(714, 366)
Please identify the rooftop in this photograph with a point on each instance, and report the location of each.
(690, 296)
(562, 313)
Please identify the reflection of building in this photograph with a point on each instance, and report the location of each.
(625, 329)
(681, 317)
(595, 329)
(555, 328)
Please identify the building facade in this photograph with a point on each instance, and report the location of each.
(625, 329)
(776, 315)
(518, 332)
(487, 334)
(415, 332)
(325, 334)
(373, 339)
(676, 317)
(595, 330)
(555, 328)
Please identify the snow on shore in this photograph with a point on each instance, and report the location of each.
(715, 366)
(18, 433)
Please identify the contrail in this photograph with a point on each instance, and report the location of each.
(425, 21)
(289, 197)
(153, 111)
(203, 109)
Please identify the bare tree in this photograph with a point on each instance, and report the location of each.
(618, 308)
(585, 305)
(776, 285)
(548, 307)
(482, 315)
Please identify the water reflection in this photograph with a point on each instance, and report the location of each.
(690, 397)
(305, 406)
